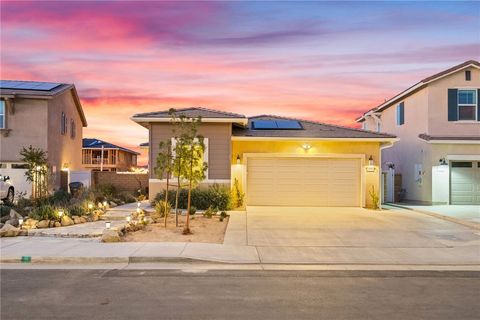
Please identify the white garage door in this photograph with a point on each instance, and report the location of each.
(303, 182)
(465, 182)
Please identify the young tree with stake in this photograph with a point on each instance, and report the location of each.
(164, 167)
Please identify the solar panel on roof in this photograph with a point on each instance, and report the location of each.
(276, 125)
(28, 85)
(264, 124)
(288, 124)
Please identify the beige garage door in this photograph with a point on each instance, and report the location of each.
(303, 182)
(465, 182)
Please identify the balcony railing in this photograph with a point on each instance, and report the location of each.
(97, 161)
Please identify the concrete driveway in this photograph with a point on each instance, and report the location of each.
(352, 227)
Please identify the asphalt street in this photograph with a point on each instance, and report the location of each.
(216, 294)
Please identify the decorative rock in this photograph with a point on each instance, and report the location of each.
(43, 224)
(30, 224)
(111, 235)
(66, 221)
(22, 232)
(83, 219)
(51, 224)
(9, 231)
(76, 220)
(13, 222)
(57, 224)
(15, 215)
(113, 204)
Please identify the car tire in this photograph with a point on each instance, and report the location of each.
(10, 196)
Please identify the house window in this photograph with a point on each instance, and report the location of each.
(73, 129)
(2, 115)
(400, 114)
(467, 104)
(64, 124)
(468, 75)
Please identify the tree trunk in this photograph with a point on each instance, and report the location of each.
(187, 224)
(166, 203)
(176, 201)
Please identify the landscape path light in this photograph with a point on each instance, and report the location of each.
(60, 213)
(20, 222)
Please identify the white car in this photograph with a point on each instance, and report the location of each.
(7, 191)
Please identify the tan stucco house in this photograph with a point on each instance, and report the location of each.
(47, 116)
(438, 123)
(99, 155)
(279, 161)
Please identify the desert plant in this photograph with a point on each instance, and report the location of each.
(163, 208)
(37, 169)
(61, 197)
(375, 198)
(237, 195)
(210, 212)
(78, 210)
(193, 210)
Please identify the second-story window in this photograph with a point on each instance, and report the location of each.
(63, 124)
(73, 129)
(467, 104)
(468, 75)
(400, 114)
(2, 115)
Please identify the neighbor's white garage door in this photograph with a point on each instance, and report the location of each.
(465, 182)
(303, 182)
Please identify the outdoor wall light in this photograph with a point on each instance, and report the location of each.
(371, 164)
(108, 224)
(443, 162)
(306, 146)
(238, 159)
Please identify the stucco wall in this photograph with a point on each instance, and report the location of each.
(28, 126)
(317, 147)
(438, 105)
(62, 149)
(219, 153)
(121, 181)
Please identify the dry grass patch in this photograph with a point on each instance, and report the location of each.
(203, 230)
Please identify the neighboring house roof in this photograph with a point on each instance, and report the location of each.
(427, 137)
(144, 144)
(39, 90)
(310, 129)
(418, 86)
(89, 143)
(207, 115)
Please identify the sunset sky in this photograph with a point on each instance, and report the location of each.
(322, 61)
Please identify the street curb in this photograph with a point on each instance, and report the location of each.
(471, 225)
(67, 260)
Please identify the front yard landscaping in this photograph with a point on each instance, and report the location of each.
(206, 230)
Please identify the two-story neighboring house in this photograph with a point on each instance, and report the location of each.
(100, 155)
(438, 123)
(44, 115)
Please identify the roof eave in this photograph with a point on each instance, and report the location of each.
(143, 120)
(376, 139)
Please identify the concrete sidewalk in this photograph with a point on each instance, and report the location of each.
(68, 250)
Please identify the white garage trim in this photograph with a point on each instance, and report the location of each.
(360, 157)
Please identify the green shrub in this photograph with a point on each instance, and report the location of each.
(193, 210)
(127, 197)
(107, 190)
(223, 215)
(78, 210)
(44, 212)
(60, 197)
(4, 210)
(215, 196)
